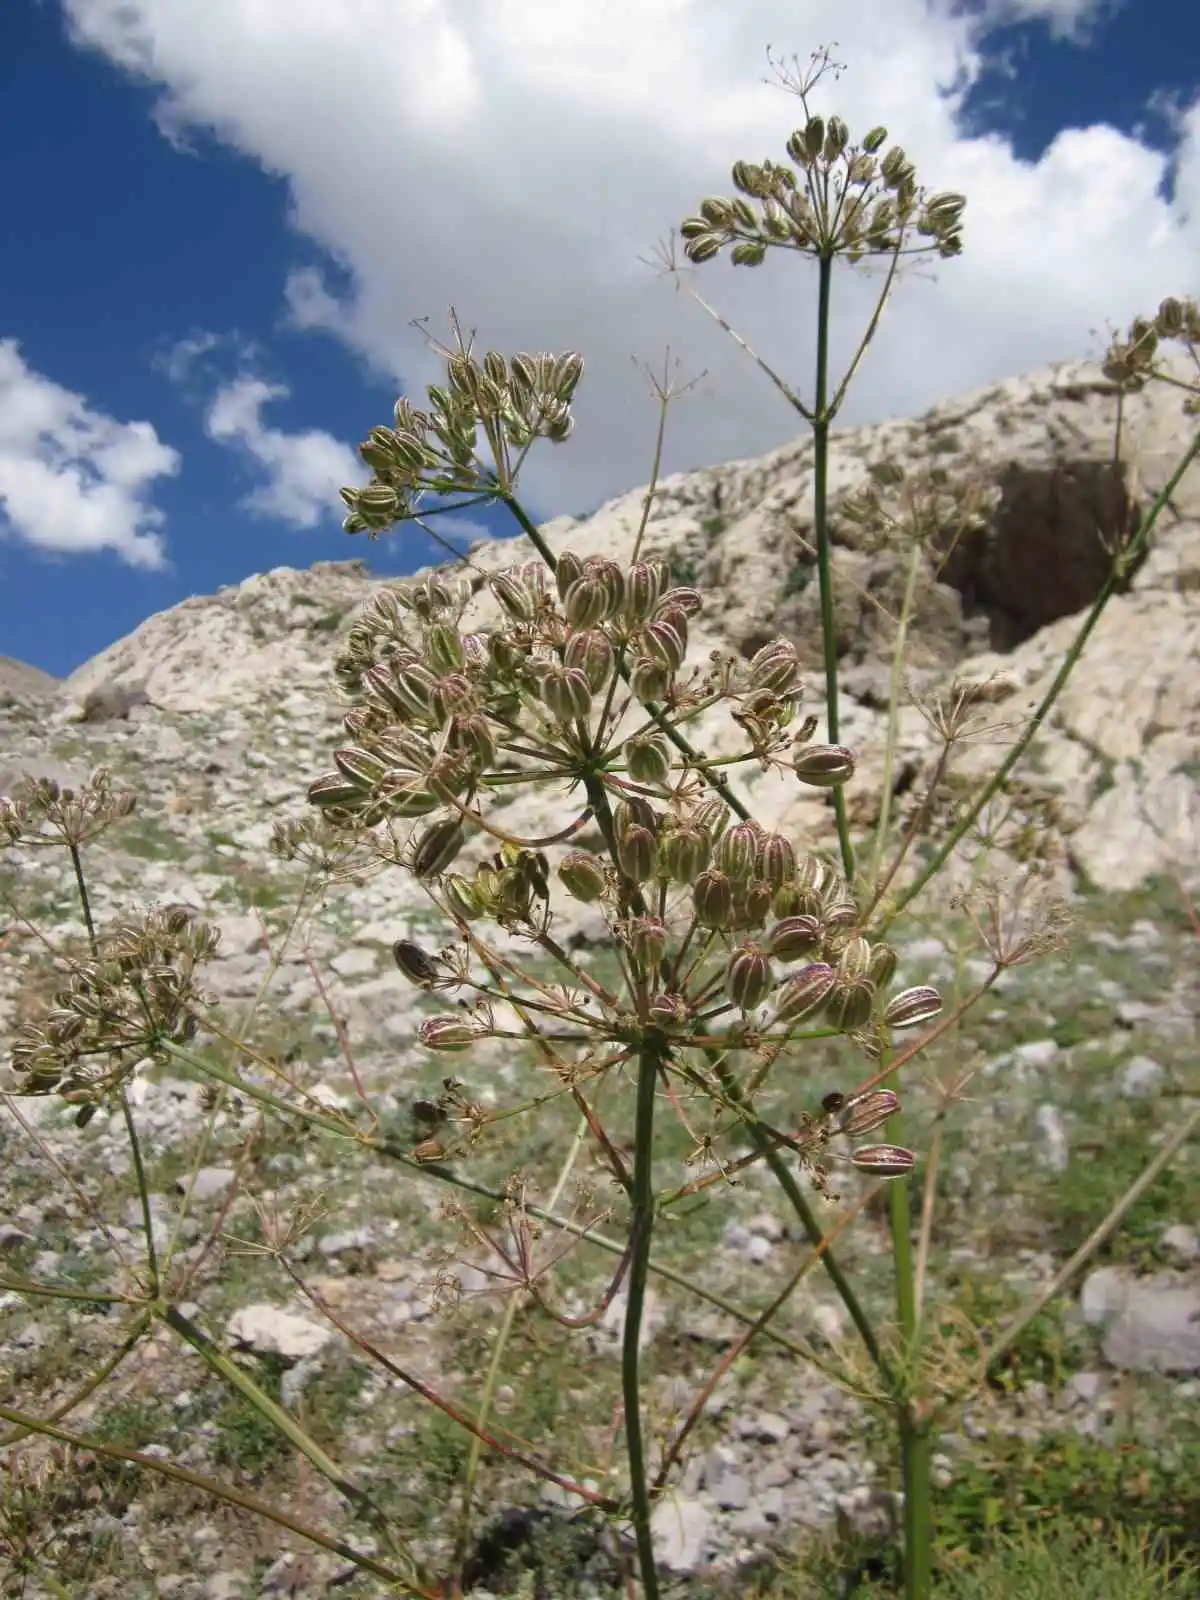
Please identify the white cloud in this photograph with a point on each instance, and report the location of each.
(309, 302)
(302, 471)
(180, 359)
(72, 479)
(514, 159)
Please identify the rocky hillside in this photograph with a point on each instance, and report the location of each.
(220, 712)
(247, 668)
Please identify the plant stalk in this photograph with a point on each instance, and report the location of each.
(820, 426)
(642, 1230)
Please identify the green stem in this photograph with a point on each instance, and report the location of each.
(84, 901)
(914, 1432)
(54, 1292)
(889, 751)
(276, 1416)
(820, 427)
(916, 1450)
(642, 1229)
(143, 1193)
(783, 1176)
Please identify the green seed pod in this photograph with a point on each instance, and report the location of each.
(776, 860)
(586, 602)
(385, 609)
(649, 679)
(883, 965)
(643, 586)
(683, 598)
(912, 1006)
(839, 916)
(811, 873)
(637, 852)
(332, 789)
(612, 579)
(359, 767)
(444, 649)
(775, 668)
(794, 936)
(475, 652)
(379, 687)
(402, 797)
(377, 504)
(874, 139)
(893, 165)
(635, 812)
(749, 978)
(805, 994)
(506, 656)
(461, 897)
(867, 1112)
(884, 1160)
(582, 875)
(647, 940)
(855, 961)
(712, 896)
(824, 766)
(647, 760)
(565, 376)
(1169, 319)
(405, 749)
(849, 1005)
(713, 816)
(452, 695)
(686, 851)
(669, 1011)
(446, 1033)
(568, 569)
(437, 847)
(752, 903)
(566, 693)
(592, 653)
(666, 643)
(513, 596)
(413, 685)
(735, 851)
(471, 736)
(837, 136)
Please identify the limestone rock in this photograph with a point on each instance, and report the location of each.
(269, 1330)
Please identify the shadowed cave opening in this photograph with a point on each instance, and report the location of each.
(1043, 554)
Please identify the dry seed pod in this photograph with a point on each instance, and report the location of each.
(412, 961)
(749, 978)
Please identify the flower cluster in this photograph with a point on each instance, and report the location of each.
(117, 1009)
(40, 812)
(729, 936)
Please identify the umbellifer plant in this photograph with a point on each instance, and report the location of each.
(567, 681)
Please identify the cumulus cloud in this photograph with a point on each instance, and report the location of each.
(302, 472)
(515, 160)
(71, 478)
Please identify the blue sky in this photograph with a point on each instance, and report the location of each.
(222, 216)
